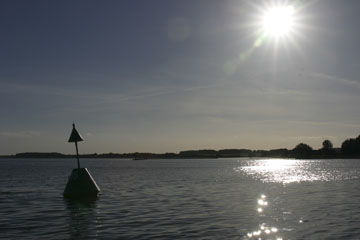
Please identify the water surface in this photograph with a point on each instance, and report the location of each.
(183, 199)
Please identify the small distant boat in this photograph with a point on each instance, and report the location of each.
(139, 158)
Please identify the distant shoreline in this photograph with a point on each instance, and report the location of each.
(350, 148)
(224, 153)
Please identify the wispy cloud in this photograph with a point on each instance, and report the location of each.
(335, 78)
(319, 137)
(20, 134)
(313, 123)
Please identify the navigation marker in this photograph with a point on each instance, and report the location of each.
(80, 183)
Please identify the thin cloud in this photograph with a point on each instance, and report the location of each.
(335, 78)
(314, 123)
(313, 137)
(20, 134)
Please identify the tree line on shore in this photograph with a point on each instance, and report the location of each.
(350, 148)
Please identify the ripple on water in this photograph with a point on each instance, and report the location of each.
(291, 170)
(183, 199)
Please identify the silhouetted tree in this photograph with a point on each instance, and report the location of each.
(327, 145)
(302, 150)
(351, 146)
(327, 150)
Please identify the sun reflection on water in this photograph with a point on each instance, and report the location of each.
(284, 171)
(264, 230)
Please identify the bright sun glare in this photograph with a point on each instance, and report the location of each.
(278, 21)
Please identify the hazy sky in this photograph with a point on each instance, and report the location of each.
(172, 75)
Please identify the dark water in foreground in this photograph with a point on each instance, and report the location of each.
(183, 199)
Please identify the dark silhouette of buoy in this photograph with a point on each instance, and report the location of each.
(80, 183)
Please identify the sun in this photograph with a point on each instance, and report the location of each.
(278, 21)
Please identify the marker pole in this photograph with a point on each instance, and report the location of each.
(77, 155)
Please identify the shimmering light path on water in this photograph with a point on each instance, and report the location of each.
(183, 199)
(290, 170)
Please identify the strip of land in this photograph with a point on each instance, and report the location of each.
(350, 148)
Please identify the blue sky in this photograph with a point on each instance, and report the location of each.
(166, 76)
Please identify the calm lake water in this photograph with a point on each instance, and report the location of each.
(183, 199)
